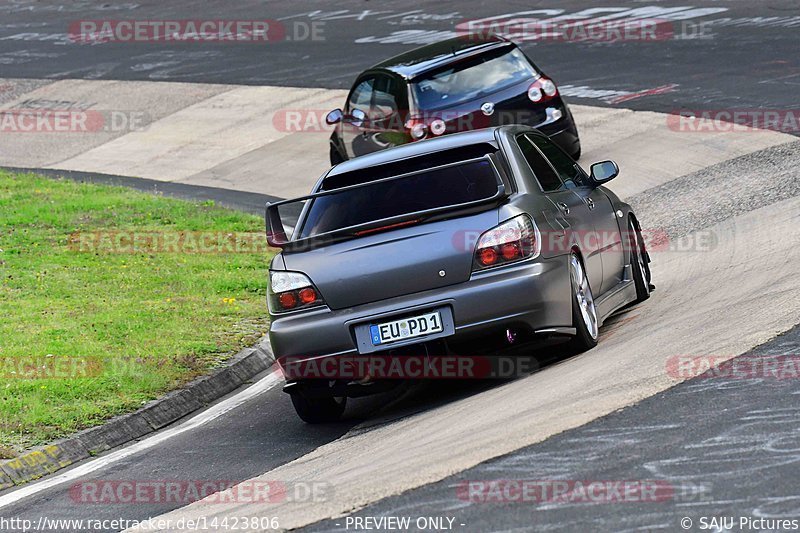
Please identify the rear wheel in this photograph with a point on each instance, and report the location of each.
(584, 312)
(318, 409)
(641, 270)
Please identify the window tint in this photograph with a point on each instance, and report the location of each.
(544, 173)
(431, 189)
(361, 96)
(384, 101)
(472, 78)
(566, 167)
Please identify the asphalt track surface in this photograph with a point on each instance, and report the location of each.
(721, 54)
(721, 446)
(746, 64)
(267, 435)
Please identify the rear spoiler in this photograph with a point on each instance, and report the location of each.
(278, 238)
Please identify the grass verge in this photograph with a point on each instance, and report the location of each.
(105, 302)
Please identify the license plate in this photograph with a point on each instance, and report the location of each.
(407, 328)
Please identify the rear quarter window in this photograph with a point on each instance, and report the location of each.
(544, 173)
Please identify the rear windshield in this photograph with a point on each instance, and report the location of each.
(462, 183)
(472, 78)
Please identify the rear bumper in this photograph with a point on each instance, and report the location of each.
(530, 296)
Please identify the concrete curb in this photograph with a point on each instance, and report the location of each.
(152, 417)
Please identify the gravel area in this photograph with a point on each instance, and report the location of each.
(719, 192)
(11, 88)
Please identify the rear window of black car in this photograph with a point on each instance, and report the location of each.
(472, 78)
(429, 189)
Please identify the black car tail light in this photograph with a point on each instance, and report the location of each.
(542, 90)
(416, 129)
(438, 127)
(513, 240)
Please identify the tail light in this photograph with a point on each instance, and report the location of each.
(438, 127)
(542, 90)
(416, 129)
(291, 291)
(419, 130)
(511, 241)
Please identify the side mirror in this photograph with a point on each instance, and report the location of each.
(334, 117)
(357, 118)
(604, 171)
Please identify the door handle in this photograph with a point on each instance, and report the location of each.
(590, 203)
(564, 207)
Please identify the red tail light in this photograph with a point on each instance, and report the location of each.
(287, 300)
(511, 241)
(308, 295)
(510, 251)
(290, 291)
(542, 90)
(487, 256)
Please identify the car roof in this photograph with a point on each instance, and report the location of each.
(425, 58)
(437, 144)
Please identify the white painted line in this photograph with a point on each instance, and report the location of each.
(265, 384)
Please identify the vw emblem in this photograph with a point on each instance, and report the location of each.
(487, 108)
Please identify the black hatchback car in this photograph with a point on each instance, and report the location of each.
(455, 85)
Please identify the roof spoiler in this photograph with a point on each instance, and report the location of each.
(277, 236)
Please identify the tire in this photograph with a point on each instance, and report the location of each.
(335, 156)
(318, 410)
(584, 312)
(639, 264)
